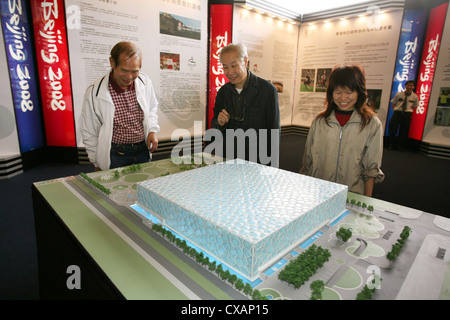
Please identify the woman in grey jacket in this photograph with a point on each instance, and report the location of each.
(345, 141)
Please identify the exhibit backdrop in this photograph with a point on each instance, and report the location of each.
(220, 33)
(173, 38)
(18, 47)
(272, 50)
(437, 125)
(430, 51)
(370, 41)
(408, 53)
(8, 132)
(50, 40)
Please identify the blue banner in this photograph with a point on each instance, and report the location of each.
(19, 52)
(408, 54)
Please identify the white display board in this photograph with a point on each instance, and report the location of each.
(173, 37)
(370, 41)
(272, 51)
(437, 125)
(9, 140)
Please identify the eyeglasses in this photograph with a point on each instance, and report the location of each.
(240, 118)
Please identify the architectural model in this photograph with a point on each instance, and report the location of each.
(244, 214)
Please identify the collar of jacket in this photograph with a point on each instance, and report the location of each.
(355, 118)
(251, 86)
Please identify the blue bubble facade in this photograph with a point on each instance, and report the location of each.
(244, 214)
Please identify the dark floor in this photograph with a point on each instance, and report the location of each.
(412, 180)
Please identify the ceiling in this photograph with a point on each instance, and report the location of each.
(305, 7)
(310, 10)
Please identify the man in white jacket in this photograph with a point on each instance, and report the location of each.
(403, 104)
(119, 121)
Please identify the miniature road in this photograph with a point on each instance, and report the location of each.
(189, 287)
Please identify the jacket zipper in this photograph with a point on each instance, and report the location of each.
(338, 155)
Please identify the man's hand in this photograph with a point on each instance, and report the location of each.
(152, 142)
(223, 118)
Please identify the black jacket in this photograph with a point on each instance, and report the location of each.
(260, 110)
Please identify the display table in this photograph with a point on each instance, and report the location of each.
(97, 246)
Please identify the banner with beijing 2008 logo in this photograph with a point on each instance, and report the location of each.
(19, 53)
(428, 63)
(54, 72)
(221, 20)
(408, 53)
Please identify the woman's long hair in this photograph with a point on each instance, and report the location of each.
(353, 78)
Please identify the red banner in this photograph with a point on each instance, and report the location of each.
(427, 67)
(221, 19)
(54, 74)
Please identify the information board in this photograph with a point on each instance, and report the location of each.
(370, 41)
(173, 38)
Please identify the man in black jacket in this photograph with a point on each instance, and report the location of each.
(246, 111)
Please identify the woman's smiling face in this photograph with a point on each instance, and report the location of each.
(345, 98)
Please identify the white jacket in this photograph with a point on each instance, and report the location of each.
(98, 114)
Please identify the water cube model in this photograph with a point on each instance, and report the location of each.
(244, 214)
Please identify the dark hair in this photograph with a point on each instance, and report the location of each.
(410, 81)
(128, 48)
(351, 77)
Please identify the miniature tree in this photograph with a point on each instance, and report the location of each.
(225, 275)
(365, 294)
(317, 287)
(299, 270)
(256, 295)
(232, 278)
(390, 256)
(344, 234)
(405, 233)
(239, 284)
(397, 247)
(248, 289)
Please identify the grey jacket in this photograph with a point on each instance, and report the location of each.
(345, 155)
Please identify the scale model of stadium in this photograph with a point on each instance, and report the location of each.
(244, 214)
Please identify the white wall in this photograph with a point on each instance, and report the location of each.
(371, 42)
(95, 26)
(9, 140)
(272, 50)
